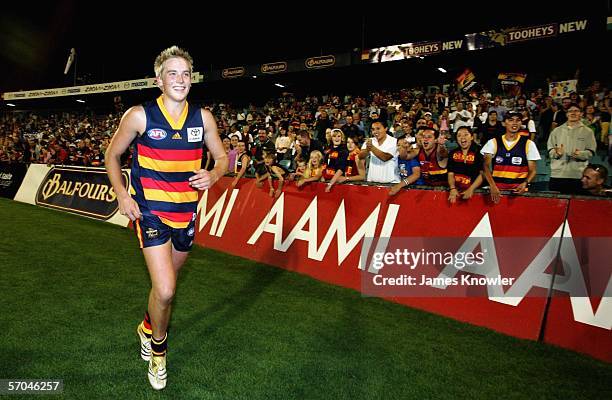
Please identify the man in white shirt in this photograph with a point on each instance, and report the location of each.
(382, 149)
(461, 118)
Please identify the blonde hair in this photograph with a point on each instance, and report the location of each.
(335, 130)
(171, 52)
(310, 170)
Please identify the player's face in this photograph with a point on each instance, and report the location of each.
(175, 79)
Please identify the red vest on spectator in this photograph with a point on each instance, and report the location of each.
(432, 173)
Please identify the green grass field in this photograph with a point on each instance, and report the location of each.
(73, 290)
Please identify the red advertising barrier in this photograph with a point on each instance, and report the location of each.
(328, 237)
(584, 323)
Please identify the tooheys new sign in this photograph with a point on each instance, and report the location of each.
(85, 192)
(321, 235)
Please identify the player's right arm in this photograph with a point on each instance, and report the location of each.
(132, 124)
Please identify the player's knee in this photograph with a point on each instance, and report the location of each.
(165, 293)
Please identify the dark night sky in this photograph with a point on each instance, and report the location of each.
(120, 42)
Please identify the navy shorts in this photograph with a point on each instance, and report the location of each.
(151, 231)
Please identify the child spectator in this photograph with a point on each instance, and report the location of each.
(276, 170)
(335, 159)
(409, 168)
(242, 162)
(314, 169)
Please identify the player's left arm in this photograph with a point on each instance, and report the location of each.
(204, 179)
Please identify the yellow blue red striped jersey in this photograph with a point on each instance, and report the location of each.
(510, 164)
(164, 159)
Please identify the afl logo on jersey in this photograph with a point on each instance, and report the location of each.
(157, 134)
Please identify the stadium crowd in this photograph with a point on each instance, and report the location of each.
(403, 138)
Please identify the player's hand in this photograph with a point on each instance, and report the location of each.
(328, 187)
(299, 183)
(129, 207)
(369, 144)
(203, 179)
(271, 192)
(559, 150)
(452, 196)
(277, 193)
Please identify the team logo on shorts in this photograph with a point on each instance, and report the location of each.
(517, 160)
(157, 134)
(190, 231)
(152, 233)
(195, 134)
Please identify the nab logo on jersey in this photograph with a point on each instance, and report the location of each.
(195, 134)
(157, 134)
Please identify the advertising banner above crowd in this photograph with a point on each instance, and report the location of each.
(135, 84)
(471, 41)
(283, 66)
